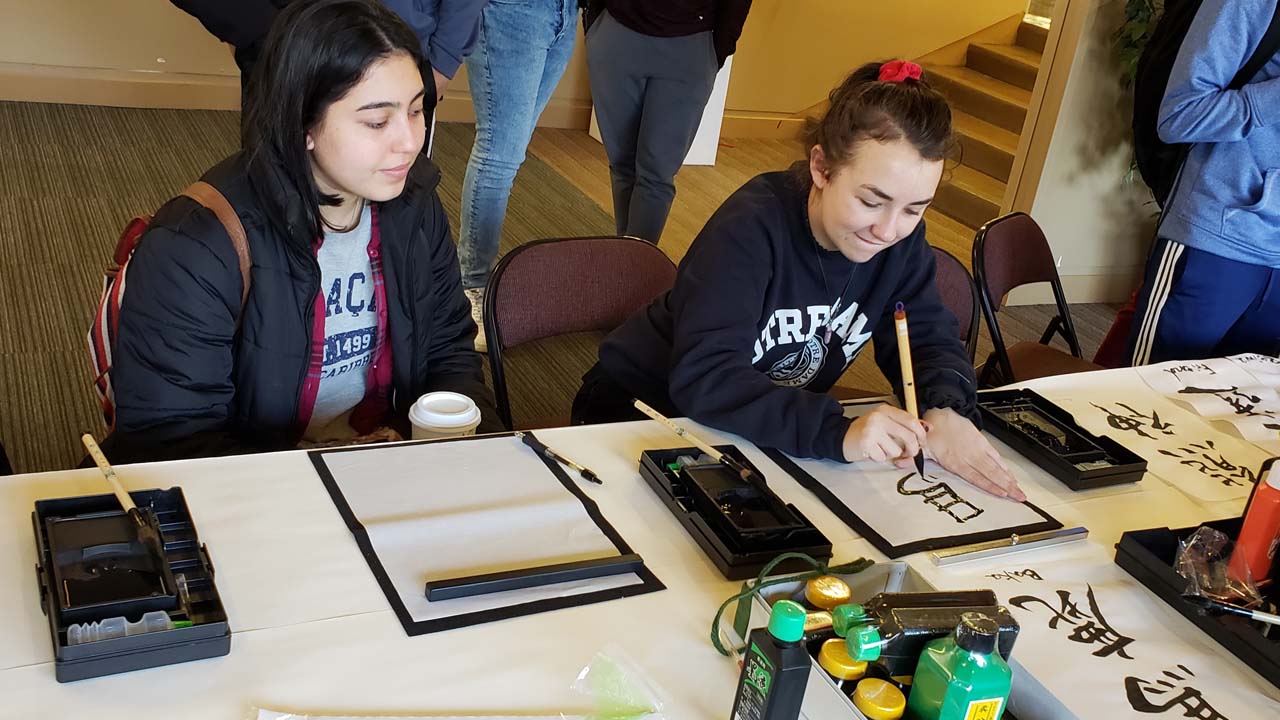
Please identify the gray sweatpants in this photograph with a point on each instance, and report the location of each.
(649, 93)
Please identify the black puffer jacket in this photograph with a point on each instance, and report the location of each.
(187, 384)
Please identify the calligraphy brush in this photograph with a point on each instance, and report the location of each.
(1217, 606)
(148, 532)
(744, 472)
(908, 374)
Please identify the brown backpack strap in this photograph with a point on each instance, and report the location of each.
(208, 196)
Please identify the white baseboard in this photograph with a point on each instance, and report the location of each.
(1101, 288)
(118, 88)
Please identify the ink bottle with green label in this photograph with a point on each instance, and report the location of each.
(775, 667)
(961, 676)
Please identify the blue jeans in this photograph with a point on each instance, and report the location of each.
(520, 54)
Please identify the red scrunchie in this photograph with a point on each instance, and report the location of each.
(899, 70)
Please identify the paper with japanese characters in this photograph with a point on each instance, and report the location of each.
(1106, 648)
(1239, 392)
(1181, 448)
(901, 512)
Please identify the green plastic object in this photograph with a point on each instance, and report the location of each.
(845, 617)
(786, 621)
(864, 643)
(961, 677)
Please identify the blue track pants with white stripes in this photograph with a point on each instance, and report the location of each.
(1196, 305)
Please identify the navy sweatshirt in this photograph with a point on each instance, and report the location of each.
(738, 342)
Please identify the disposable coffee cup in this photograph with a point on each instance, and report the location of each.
(443, 415)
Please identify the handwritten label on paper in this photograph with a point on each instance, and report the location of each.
(1016, 575)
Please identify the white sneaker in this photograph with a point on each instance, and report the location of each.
(476, 296)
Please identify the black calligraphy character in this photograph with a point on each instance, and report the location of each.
(1135, 421)
(1143, 696)
(1090, 628)
(1242, 402)
(1200, 456)
(941, 496)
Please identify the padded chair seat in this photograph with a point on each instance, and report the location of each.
(1031, 360)
(543, 422)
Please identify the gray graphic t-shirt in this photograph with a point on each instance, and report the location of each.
(350, 325)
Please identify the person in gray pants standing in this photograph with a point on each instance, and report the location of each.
(652, 65)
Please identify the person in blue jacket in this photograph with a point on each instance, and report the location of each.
(789, 280)
(446, 29)
(1212, 284)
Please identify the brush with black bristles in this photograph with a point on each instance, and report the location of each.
(148, 526)
(747, 474)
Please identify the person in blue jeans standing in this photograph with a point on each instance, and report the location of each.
(519, 57)
(1212, 284)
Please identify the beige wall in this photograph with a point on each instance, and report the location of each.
(1097, 221)
(123, 35)
(792, 52)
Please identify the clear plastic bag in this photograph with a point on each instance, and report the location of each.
(615, 688)
(1203, 560)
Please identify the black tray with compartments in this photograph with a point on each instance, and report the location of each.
(740, 525)
(1049, 436)
(90, 569)
(1148, 555)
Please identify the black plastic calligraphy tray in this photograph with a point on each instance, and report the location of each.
(1049, 436)
(1148, 556)
(741, 526)
(87, 575)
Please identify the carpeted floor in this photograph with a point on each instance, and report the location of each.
(73, 175)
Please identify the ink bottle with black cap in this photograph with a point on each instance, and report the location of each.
(775, 667)
(961, 676)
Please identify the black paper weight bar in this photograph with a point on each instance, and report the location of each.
(472, 585)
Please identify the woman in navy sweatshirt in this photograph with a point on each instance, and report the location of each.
(790, 279)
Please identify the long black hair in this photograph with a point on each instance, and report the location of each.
(315, 53)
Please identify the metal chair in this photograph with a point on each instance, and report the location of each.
(553, 287)
(1010, 252)
(960, 295)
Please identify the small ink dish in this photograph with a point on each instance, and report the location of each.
(116, 603)
(739, 523)
(1049, 436)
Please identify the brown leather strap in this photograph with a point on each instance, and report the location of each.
(208, 196)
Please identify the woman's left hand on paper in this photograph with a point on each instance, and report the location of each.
(961, 448)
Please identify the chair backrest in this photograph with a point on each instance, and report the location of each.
(559, 286)
(959, 294)
(1009, 252)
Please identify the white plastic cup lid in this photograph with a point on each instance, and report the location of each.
(446, 411)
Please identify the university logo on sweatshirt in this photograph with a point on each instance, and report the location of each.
(799, 334)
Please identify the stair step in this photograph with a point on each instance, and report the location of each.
(984, 146)
(944, 231)
(992, 100)
(1013, 64)
(1032, 37)
(970, 196)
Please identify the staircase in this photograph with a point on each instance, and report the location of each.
(989, 96)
